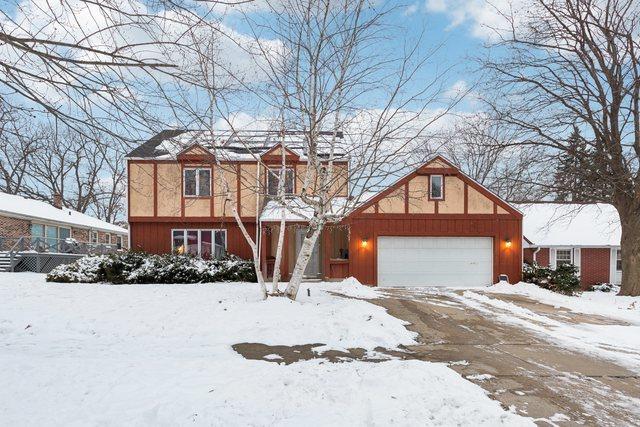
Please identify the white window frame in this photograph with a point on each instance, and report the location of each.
(107, 238)
(119, 237)
(200, 230)
(441, 197)
(618, 258)
(97, 237)
(570, 250)
(274, 173)
(184, 182)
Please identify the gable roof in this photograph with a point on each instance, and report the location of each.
(447, 167)
(12, 205)
(241, 145)
(555, 224)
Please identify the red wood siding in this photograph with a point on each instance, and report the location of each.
(155, 237)
(594, 266)
(363, 260)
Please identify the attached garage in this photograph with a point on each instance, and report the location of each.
(435, 227)
(434, 261)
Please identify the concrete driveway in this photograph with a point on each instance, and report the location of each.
(517, 367)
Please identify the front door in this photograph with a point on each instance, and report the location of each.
(313, 267)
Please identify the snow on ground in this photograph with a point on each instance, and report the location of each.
(618, 342)
(601, 303)
(80, 354)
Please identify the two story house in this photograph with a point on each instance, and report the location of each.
(433, 227)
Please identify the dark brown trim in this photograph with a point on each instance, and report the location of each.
(438, 171)
(406, 197)
(238, 194)
(155, 189)
(466, 198)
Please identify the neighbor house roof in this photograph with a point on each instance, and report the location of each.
(240, 145)
(554, 224)
(17, 206)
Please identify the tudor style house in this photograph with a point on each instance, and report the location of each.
(433, 227)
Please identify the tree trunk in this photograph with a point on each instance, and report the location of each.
(279, 249)
(306, 250)
(630, 245)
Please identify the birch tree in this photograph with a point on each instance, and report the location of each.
(334, 75)
(575, 65)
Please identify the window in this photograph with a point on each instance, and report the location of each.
(64, 233)
(37, 230)
(203, 243)
(273, 178)
(619, 260)
(197, 182)
(94, 237)
(107, 238)
(119, 242)
(563, 256)
(436, 187)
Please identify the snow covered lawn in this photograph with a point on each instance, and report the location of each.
(617, 339)
(79, 354)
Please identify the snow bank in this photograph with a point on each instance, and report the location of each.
(618, 343)
(601, 303)
(161, 355)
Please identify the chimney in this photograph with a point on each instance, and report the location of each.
(57, 200)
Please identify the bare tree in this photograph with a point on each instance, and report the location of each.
(480, 147)
(575, 64)
(330, 69)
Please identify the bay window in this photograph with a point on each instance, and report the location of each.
(203, 243)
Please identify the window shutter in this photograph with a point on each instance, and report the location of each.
(577, 258)
(552, 258)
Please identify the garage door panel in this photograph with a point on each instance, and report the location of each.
(434, 261)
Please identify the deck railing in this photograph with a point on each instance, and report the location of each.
(53, 245)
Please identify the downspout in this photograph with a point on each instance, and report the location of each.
(536, 253)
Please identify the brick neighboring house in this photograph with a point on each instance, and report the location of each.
(22, 217)
(433, 227)
(585, 235)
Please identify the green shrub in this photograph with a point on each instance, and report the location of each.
(138, 267)
(563, 279)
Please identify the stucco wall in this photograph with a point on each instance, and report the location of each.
(169, 189)
(141, 189)
(453, 202)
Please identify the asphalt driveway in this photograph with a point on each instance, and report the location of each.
(517, 367)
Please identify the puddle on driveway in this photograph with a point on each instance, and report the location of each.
(296, 353)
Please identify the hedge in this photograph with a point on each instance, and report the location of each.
(139, 267)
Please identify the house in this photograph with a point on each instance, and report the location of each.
(28, 226)
(434, 226)
(585, 235)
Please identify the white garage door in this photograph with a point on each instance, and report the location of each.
(435, 261)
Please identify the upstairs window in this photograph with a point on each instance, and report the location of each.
(563, 256)
(618, 260)
(273, 178)
(436, 190)
(197, 182)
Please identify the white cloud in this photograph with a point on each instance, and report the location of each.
(411, 9)
(486, 18)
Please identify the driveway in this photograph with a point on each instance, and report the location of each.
(522, 370)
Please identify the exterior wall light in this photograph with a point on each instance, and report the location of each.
(365, 242)
(507, 243)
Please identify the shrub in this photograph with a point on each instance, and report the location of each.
(138, 267)
(563, 279)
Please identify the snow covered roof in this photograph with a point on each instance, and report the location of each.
(554, 224)
(297, 210)
(12, 205)
(241, 145)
